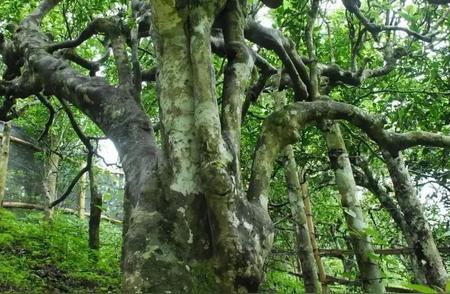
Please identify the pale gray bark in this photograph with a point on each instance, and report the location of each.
(419, 231)
(50, 179)
(283, 128)
(368, 181)
(237, 74)
(202, 160)
(369, 272)
(370, 275)
(302, 234)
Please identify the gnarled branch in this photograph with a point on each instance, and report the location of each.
(284, 126)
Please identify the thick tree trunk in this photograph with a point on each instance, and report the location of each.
(187, 220)
(187, 225)
(4, 156)
(418, 228)
(304, 247)
(96, 212)
(369, 272)
(197, 232)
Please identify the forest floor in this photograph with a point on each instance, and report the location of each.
(41, 256)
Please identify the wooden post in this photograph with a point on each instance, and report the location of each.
(96, 212)
(304, 247)
(4, 155)
(50, 180)
(312, 234)
(82, 197)
(51, 169)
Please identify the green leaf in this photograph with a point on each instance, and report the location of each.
(107, 196)
(348, 275)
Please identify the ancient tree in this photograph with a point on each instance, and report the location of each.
(192, 222)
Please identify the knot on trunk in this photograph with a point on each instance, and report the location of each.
(238, 51)
(215, 178)
(334, 155)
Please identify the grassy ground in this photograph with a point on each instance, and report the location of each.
(41, 256)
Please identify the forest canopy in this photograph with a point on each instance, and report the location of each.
(265, 145)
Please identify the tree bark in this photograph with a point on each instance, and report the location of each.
(304, 247)
(4, 156)
(302, 234)
(50, 178)
(283, 127)
(369, 272)
(368, 181)
(208, 237)
(337, 153)
(418, 228)
(189, 225)
(229, 243)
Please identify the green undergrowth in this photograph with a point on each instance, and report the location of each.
(281, 282)
(41, 256)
